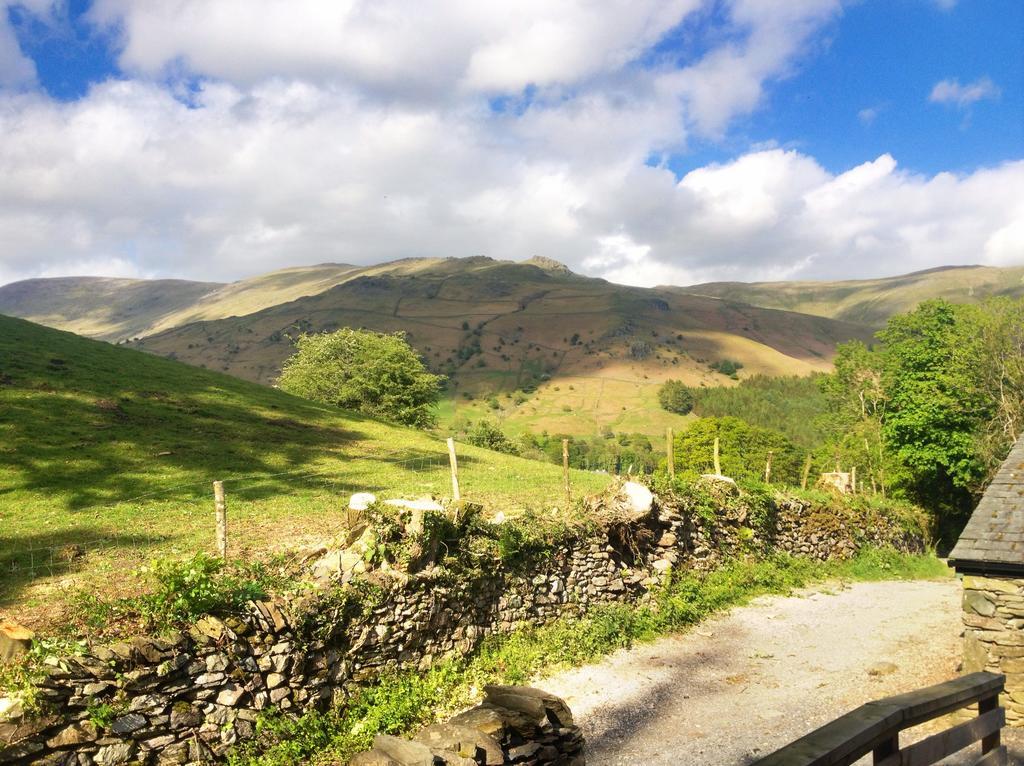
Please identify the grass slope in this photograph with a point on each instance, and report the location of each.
(871, 301)
(115, 450)
(496, 327)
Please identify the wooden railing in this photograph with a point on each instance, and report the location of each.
(875, 728)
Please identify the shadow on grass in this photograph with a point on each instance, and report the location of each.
(63, 552)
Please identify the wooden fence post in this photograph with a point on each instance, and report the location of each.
(807, 472)
(453, 461)
(853, 479)
(670, 454)
(221, 507)
(565, 470)
(718, 462)
(768, 468)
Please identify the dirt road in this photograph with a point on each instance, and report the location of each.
(740, 686)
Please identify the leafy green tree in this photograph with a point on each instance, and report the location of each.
(378, 374)
(937, 405)
(744, 450)
(487, 435)
(676, 397)
(1001, 340)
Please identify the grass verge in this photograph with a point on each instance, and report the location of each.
(400, 702)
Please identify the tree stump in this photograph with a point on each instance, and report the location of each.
(15, 640)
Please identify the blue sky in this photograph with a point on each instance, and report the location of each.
(645, 141)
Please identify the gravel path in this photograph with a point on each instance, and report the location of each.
(739, 686)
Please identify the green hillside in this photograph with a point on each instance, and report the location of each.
(587, 354)
(871, 301)
(115, 450)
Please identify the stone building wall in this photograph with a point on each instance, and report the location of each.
(190, 697)
(993, 636)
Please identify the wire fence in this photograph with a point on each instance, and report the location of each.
(68, 550)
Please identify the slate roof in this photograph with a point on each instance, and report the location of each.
(993, 540)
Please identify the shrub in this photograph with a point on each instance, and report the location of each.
(374, 373)
(676, 397)
(487, 435)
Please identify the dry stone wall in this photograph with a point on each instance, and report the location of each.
(190, 697)
(993, 635)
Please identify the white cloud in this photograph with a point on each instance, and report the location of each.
(392, 46)
(962, 96)
(365, 133)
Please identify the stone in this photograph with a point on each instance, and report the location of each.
(403, 751)
(230, 694)
(975, 653)
(210, 627)
(360, 501)
(662, 565)
(279, 694)
(127, 724)
(274, 680)
(667, 540)
(111, 755)
(11, 708)
(75, 734)
(994, 585)
(184, 716)
(523, 752)
(216, 663)
(487, 720)
(639, 499)
(531, 702)
(463, 740)
(151, 649)
(977, 602)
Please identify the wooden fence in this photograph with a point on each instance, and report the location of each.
(875, 728)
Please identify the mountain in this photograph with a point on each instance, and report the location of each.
(100, 307)
(585, 353)
(871, 301)
(589, 353)
(114, 451)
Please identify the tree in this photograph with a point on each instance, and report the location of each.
(676, 397)
(487, 435)
(937, 406)
(378, 374)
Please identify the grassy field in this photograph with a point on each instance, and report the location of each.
(115, 450)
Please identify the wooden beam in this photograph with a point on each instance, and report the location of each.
(938, 746)
(873, 725)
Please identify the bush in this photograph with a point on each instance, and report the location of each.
(727, 367)
(676, 397)
(374, 373)
(487, 435)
